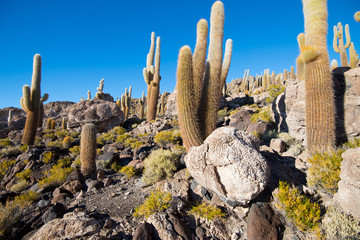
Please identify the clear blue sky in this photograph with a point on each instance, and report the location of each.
(83, 41)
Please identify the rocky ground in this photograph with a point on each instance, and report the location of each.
(103, 207)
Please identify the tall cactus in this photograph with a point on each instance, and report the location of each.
(125, 102)
(197, 114)
(142, 101)
(319, 95)
(155, 85)
(88, 150)
(152, 77)
(30, 102)
(341, 48)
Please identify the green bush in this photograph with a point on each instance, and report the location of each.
(206, 211)
(121, 138)
(274, 91)
(159, 165)
(133, 143)
(116, 167)
(19, 186)
(10, 151)
(57, 174)
(61, 134)
(340, 225)
(156, 202)
(56, 143)
(24, 175)
(129, 171)
(48, 157)
(324, 172)
(299, 208)
(264, 114)
(4, 166)
(164, 137)
(5, 142)
(75, 150)
(12, 211)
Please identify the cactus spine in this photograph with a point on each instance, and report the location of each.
(319, 95)
(197, 117)
(88, 150)
(142, 101)
(30, 102)
(340, 48)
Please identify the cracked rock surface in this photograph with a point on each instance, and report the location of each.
(229, 163)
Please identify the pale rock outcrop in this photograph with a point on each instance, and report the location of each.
(229, 163)
(348, 194)
(71, 226)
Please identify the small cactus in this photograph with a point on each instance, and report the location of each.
(354, 57)
(64, 123)
(67, 142)
(142, 101)
(340, 48)
(10, 116)
(89, 95)
(48, 124)
(300, 64)
(53, 124)
(88, 150)
(334, 64)
(41, 111)
(125, 102)
(99, 94)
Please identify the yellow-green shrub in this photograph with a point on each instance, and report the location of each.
(274, 91)
(12, 210)
(264, 114)
(159, 165)
(19, 186)
(324, 172)
(354, 143)
(206, 211)
(57, 174)
(5, 142)
(164, 137)
(156, 202)
(4, 166)
(48, 157)
(340, 225)
(10, 151)
(121, 138)
(133, 143)
(129, 171)
(115, 166)
(56, 143)
(24, 175)
(61, 134)
(299, 208)
(75, 150)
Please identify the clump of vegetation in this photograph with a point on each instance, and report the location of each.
(121, 138)
(222, 114)
(5, 142)
(115, 166)
(110, 136)
(61, 134)
(19, 186)
(133, 143)
(264, 114)
(159, 165)
(295, 147)
(274, 91)
(354, 143)
(324, 172)
(56, 143)
(206, 211)
(12, 210)
(10, 151)
(75, 150)
(164, 137)
(4, 166)
(129, 171)
(156, 202)
(299, 208)
(24, 175)
(57, 174)
(48, 157)
(340, 225)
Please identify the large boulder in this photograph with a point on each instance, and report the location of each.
(348, 194)
(71, 226)
(171, 107)
(105, 115)
(229, 163)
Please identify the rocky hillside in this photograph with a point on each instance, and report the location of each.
(250, 179)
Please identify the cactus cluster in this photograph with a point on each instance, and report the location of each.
(341, 47)
(99, 94)
(152, 77)
(319, 94)
(125, 102)
(31, 101)
(200, 81)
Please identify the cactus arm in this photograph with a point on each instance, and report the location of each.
(226, 62)
(348, 38)
(335, 44)
(45, 97)
(26, 101)
(150, 56)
